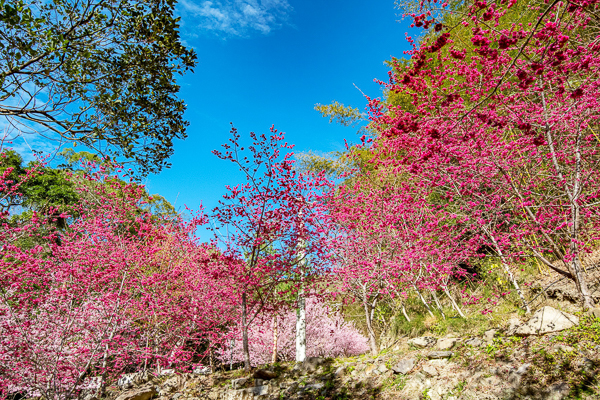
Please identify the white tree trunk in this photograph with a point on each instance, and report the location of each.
(437, 303)
(404, 312)
(301, 328)
(454, 305)
(275, 338)
(245, 346)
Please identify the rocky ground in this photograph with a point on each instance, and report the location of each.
(550, 355)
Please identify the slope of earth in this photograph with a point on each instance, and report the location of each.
(550, 355)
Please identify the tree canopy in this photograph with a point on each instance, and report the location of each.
(99, 73)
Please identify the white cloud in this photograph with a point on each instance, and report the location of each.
(235, 17)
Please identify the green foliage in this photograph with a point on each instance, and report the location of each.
(49, 189)
(341, 114)
(425, 394)
(333, 164)
(99, 73)
(45, 189)
(13, 161)
(585, 335)
(74, 159)
(572, 367)
(395, 382)
(56, 190)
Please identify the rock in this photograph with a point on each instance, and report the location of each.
(382, 369)
(440, 363)
(370, 368)
(437, 392)
(558, 391)
(260, 390)
(340, 372)
(594, 312)
(414, 387)
(253, 391)
(170, 385)
(144, 393)
(513, 324)
(212, 395)
(312, 363)
(545, 320)
(292, 388)
(488, 335)
(264, 374)
(238, 383)
(404, 366)
(514, 377)
(201, 370)
(446, 344)
(523, 369)
(440, 354)
(127, 381)
(314, 386)
(564, 348)
(422, 342)
(473, 342)
(430, 370)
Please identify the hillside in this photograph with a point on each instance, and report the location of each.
(551, 355)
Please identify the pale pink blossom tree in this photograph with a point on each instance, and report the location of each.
(327, 335)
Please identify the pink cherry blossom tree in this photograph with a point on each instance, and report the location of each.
(117, 289)
(506, 132)
(267, 219)
(392, 242)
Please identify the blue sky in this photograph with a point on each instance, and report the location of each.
(269, 62)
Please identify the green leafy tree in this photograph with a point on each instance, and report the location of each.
(96, 72)
(341, 114)
(56, 190)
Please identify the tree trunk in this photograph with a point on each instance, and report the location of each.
(301, 313)
(437, 303)
(454, 305)
(231, 354)
(245, 347)
(574, 198)
(424, 302)
(404, 312)
(275, 337)
(584, 292)
(575, 265)
(301, 328)
(509, 274)
(370, 331)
